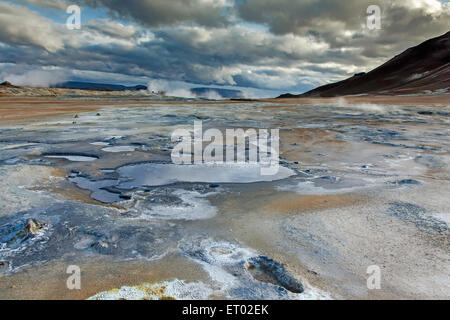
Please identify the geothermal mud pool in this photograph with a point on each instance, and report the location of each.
(359, 185)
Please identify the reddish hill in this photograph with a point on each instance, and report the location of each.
(421, 68)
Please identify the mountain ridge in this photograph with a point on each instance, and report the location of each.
(97, 86)
(424, 68)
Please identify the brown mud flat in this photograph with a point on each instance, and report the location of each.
(49, 281)
(326, 239)
(20, 109)
(294, 203)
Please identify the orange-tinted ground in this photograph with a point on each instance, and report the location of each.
(16, 109)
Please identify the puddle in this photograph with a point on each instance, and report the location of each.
(151, 174)
(154, 175)
(74, 158)
(107, 170)
(98, 189)
(101, 144)
(117, 149)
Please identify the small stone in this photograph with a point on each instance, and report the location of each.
(3, 264)
(406, 182)
(103, 244)
(34, 226)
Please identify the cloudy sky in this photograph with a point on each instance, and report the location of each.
(263, 47)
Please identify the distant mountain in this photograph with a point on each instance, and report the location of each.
(211, 92)
(425, 67)
(97, 86)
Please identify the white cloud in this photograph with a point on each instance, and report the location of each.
(111, 28)
(21, 26)
(428, 6)
(52, 4)
(34, 78)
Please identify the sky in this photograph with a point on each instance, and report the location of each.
(262, 47)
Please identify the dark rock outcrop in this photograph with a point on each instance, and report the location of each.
(7, 84)
(268, 270)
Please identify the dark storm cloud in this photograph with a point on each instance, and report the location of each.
(301, 16)
(52, 4)
(342, 23)
(289, 45)
(155, 13)
(188, 53)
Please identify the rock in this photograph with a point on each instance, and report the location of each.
(313, 272)
(3, 266)
(98, 114)
(7, 84)
(406, 182)
(76, 116)
(103, 247)
(426, 113)
(268, 270)
(34, 226)
(17, 233)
